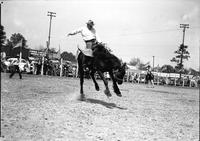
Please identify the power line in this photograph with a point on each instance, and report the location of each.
(158, 31)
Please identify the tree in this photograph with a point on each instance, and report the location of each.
(157, 68)
(134, 61)
(8, 48)
(143, 66)
(193, 72)
(16, 38)
(182, 54)
(2, 36)
(137, 62)
(68, 56)
(185, 71)
(167, 69)
(52, 50)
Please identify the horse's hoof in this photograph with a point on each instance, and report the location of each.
(107, 92)
(119, 94)
(82, 97)
(97, 88)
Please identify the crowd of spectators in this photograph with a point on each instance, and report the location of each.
(50, 67)
(53, 68)
(192, 81)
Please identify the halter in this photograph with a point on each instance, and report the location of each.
(115, 71)
(118, 78)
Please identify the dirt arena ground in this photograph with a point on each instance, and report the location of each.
(45, 108)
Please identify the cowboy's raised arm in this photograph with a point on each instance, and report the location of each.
(75, 32)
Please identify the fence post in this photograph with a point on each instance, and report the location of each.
(175, 81)
(157, 80)
(139, 78)
(42, 67)
(61, 68)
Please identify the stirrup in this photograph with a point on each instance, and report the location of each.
(85, 68)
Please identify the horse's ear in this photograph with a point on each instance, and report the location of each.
(124, 64)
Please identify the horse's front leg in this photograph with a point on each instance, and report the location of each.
(106, 91)
(94, 80)
(115, 87)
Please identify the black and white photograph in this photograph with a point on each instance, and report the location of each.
(100, 70)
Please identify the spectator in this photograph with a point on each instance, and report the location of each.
(16, 67)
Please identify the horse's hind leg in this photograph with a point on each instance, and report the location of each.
(81, 73)
(115, 87)
(94, 80)
(106, 91)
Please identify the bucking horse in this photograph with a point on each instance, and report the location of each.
(101, 61)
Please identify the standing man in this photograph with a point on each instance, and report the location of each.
(16, 67)
(88, 33)
(149, 77)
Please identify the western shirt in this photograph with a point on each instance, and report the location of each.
(86, 33)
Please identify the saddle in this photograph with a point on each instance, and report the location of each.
(89, 52)
(86, 52)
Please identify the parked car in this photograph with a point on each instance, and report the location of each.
(24, 63)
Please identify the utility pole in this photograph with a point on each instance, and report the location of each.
(0, 94)
(0, 25)
(51, 14)
(0, 11)
(184, 26)
(199, 55)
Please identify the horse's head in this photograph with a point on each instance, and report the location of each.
(119, 74)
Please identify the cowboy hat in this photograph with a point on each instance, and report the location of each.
(90, 22)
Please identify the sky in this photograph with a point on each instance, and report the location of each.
(131, 28)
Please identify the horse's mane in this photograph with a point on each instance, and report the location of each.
(100, 48)
(102, 52)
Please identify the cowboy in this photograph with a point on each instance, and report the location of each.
(88, 33)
